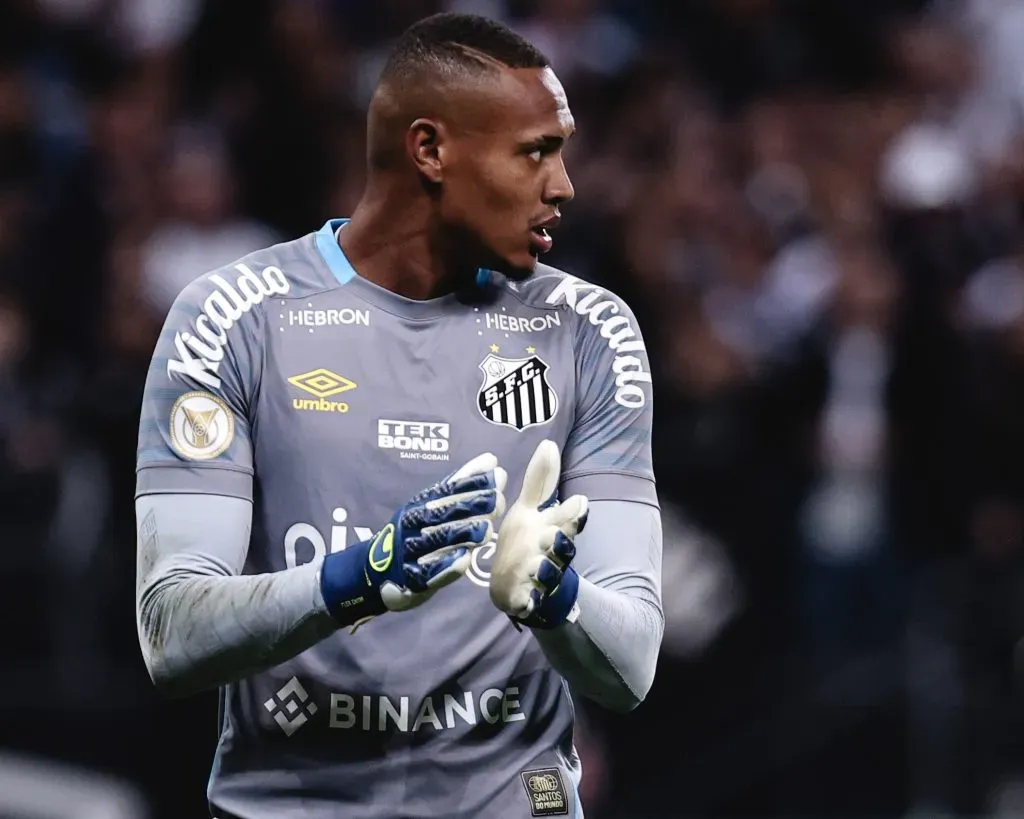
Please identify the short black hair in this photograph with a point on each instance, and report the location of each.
(446, 43)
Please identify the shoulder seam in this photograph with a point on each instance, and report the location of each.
(312, 293)
(551, 308)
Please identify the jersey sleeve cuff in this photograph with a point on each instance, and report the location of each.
(193, 480)
(620, 486)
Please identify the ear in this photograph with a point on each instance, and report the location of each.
(425, 143)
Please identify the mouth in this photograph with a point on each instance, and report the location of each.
(541, 240)
(540, 234)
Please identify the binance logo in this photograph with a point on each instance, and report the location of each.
(322, 384)
(291, 707)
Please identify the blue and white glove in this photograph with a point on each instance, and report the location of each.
(423, 548)
(532, 580)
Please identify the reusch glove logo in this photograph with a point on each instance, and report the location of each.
(382, 550)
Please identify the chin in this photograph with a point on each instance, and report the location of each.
(518, 269)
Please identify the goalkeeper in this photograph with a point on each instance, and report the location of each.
(395, 496)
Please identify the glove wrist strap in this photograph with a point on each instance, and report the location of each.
(345, 583)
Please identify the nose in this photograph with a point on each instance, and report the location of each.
(559, 187)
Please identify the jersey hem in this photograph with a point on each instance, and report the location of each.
(612, 484)
(194, 479)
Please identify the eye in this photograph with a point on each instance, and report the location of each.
(536, 154)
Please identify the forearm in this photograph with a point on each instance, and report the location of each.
(610, 653)
(200, 630)
(200, 623)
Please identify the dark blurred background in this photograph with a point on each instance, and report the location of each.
(816, 208)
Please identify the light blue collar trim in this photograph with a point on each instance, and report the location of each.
(333, 255)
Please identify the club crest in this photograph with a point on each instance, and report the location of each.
(515, 392)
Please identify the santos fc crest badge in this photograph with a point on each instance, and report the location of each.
(516, 393)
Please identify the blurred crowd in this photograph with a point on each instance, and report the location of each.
(816, 210)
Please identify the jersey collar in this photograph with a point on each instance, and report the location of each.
(334, 257)
(341, 268)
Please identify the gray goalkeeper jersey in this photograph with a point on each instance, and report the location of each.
(287, 379)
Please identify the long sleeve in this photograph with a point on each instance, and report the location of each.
(201, 623)
(610, 653)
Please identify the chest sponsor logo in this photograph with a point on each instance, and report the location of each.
(597, 306)
(202, 426)
(515, 391)
(343, 317)
(324, 385)
(480, 561)
(304, 543)
(201, 350)
(415, 440)
(292, 706)
(521, 324)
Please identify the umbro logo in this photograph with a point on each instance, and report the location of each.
(323, 384)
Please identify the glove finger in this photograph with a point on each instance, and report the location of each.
(492, 479)
(548, 576)
(581, 521)
(447, 500)
(459, 486)
(487, 504)
(444, 569)
(524, 605)
(463, 479)
(562, 550)
(447, 571)
(514, 598)
(426, 545)
(415, 577)
(481, 463)
(569, 516)
(541, 479)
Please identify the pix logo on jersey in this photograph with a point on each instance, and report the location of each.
(322, 384)
(515, 391)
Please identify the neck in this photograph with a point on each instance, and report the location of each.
(393, 240)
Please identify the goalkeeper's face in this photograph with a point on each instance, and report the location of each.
(504, 174)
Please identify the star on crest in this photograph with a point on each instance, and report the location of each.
(494, 348)
(531, 349)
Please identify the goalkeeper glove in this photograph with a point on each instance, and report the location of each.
(532, 580)
(424, 547)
